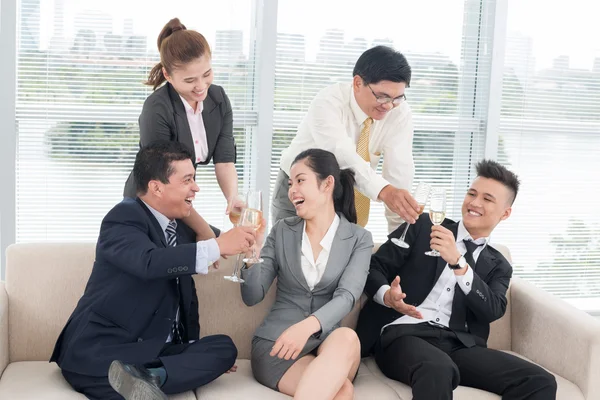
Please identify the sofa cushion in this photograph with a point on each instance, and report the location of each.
(238, 385)
(31, 380)
(222, 310)
(55, 275)
(44, 282)
(242, 385)
(566, 389)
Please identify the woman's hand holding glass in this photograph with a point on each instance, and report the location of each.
(235, 206)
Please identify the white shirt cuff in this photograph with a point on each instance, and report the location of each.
(466, 281)
(207, 252)
(380, 293)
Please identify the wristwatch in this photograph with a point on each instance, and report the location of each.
(462, 262)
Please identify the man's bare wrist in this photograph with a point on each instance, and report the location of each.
(386, 297)
(383, 192)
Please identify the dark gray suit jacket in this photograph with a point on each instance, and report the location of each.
(331, 299)
(163, 117)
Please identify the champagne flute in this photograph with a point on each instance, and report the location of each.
(252, 216)
(235, 207)
(420, 194)
(437, 212)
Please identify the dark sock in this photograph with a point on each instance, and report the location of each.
(161, 372)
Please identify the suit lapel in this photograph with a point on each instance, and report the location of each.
(485, 263)
(184, 133)
(154, 223)
(292, 242)
(441, 263)
(339, 255)
(212, 119)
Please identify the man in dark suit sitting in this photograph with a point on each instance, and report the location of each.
(135, 331)
(432, 333)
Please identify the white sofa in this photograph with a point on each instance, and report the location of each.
(44, 282)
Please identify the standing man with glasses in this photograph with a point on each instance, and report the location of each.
(360, 122)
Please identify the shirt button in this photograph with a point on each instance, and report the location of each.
(306, 314)
(437, 320)
(196, 142)
(448, 289)
(198, 159)
(308, 294)
(468, 283)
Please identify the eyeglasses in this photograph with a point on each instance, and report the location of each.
(386, 99)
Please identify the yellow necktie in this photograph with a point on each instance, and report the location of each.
(362, 202)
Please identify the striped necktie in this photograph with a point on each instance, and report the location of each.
(171, 231)
(362, 202)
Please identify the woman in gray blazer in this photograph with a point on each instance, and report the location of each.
(321, 260)
(189, 109)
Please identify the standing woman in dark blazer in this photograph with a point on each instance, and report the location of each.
(191, 110)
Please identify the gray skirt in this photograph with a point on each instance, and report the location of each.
(269, 370)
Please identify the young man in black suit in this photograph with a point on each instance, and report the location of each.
(432, 332)
(135, 331)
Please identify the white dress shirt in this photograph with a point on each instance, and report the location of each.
(437, 307)
(334, 121)
(314, 270)
(198, 130)
(207, 251)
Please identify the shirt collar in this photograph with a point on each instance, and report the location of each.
(463, 234)
(327, 240)
(359, 114)
(163, 221)
(189, 108)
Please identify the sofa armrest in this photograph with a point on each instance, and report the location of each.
(3, 328)
(556, 335)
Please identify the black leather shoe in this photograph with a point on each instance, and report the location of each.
(134, 383)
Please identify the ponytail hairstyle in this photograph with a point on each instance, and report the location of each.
(177, 46)
(323, 163)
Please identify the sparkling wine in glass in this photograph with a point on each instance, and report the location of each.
(235, 207)
(437, 212)
(420, 194)
(252, 216)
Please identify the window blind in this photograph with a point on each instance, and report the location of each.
(550, 135)
(80, 67)
(450, 72)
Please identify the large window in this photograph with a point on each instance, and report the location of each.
(550, 135)
(81, 65)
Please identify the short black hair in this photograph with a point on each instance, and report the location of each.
(493, 170)
(153, 162)
(382, 63)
